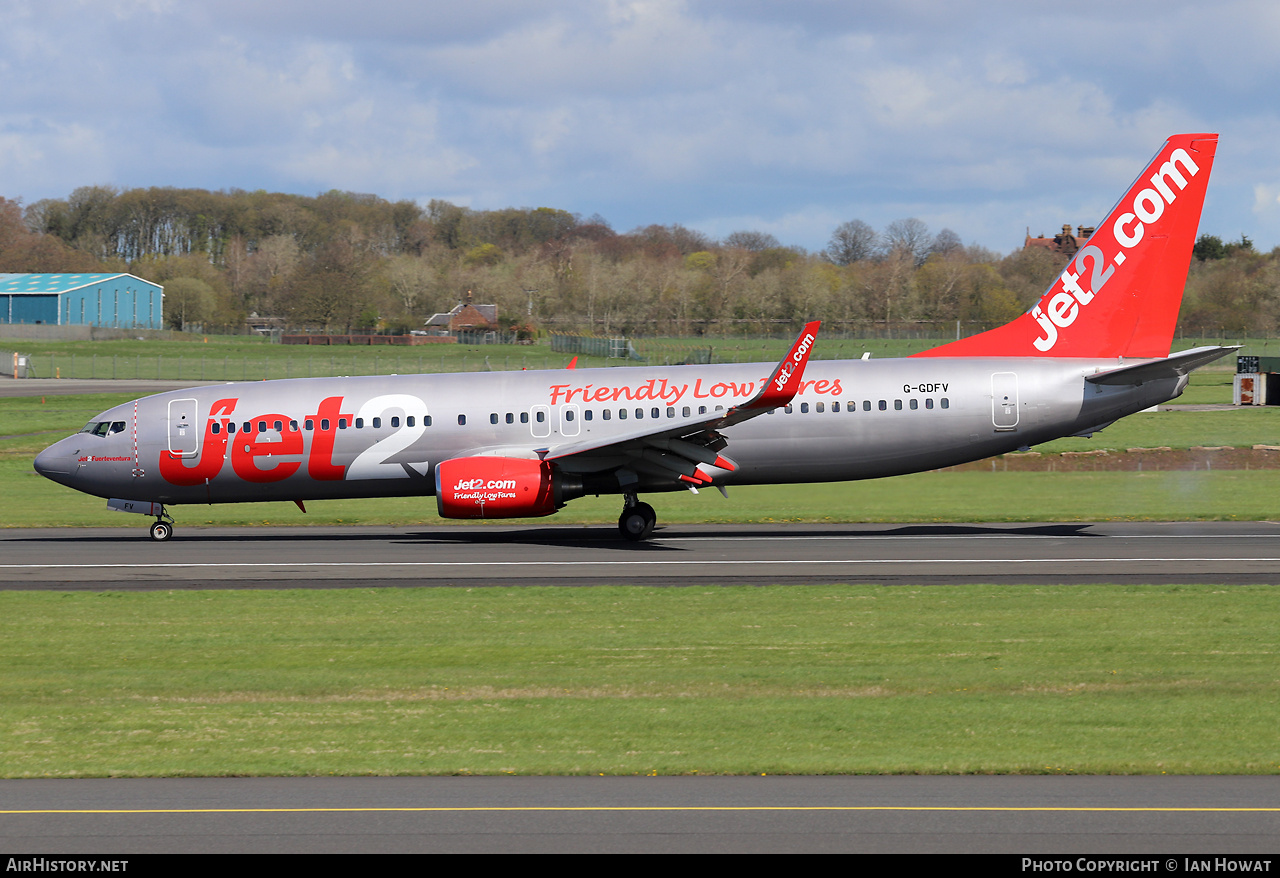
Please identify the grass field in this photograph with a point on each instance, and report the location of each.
(821, 679)
(248, 358)
(847, 679)
(32, 501)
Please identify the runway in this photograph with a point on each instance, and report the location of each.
(1157, 816)
(475, 556)
(1160, 816)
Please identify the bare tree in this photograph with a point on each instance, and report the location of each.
(751, 240)
(946, 241)
(852, 242)
(910, 236)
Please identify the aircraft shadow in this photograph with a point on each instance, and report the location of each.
(602, 536)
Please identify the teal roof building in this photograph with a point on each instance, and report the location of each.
(115, 300)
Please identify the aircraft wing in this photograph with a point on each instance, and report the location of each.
(678, 452)
(1173, 366)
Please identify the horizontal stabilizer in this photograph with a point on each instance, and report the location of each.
(1173, 366)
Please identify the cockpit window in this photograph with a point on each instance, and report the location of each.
(103, 428)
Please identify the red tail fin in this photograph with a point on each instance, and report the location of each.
(1121, 293)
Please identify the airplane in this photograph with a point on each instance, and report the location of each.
(1095, 348)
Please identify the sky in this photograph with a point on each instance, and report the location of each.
(721, 115)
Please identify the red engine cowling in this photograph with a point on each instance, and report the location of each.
(496, 487)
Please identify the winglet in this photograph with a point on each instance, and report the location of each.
(573, 364)
(784, 383)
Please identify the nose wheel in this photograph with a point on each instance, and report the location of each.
(163, 527)
(637, 520)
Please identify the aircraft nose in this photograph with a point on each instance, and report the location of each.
(54, 461)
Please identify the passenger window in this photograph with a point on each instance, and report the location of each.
(653, 413)
(639, 414)
(685, 411)
(511, 419)
(395, 421)
(493, 417)
(542, 417)
(217, 428)
(377, 423)
(915, 404)
(945, 404)
(820, 407)
(788, 409)
(409, 421)
(293, 426)
(606, 414)
(359, 423)
(524, 417)
(262, 426)
(324, 424)
(342, 423)
(897, 405)
(671, 411)
(586, 415)
(804, 408)
(883, 406)
(702, 409)
(928, 403)
(231, 426)
(248, 427)
(622, 414)
(835, 406)
(866, 405)
(426, 420)
(310, 425)
(568, 414)
(462, 420)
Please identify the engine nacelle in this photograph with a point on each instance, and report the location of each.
(500, 487)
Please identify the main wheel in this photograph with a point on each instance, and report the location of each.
(161, 531)
(637, 522)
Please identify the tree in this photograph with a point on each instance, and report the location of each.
(753, 241)
(852, 242)
(410, 278)
(188, 300)
(909, 236)
(1208, 247)
(946, 241)
(1244, 245)
(332, 287)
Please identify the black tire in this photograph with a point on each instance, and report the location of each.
(161, 531)
(636, 522)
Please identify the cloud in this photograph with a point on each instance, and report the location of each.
(795, 116)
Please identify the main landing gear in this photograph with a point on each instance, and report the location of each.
(163, 527)
(637, 519)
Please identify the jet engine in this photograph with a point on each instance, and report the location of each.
(502, 487)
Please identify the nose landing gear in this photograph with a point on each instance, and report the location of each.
(163, 527)
(637, 519)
